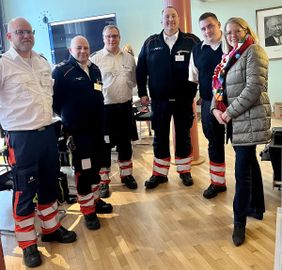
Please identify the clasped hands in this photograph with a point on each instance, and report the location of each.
(221, 117)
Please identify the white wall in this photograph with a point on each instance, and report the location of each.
(137, 19)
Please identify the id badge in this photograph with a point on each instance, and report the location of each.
(179, 58)
(98, 86)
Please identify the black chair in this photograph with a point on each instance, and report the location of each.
(143, 114)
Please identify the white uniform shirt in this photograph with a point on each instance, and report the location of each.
(26, 91)
(193, 71)
(118, 75)
(170, 40)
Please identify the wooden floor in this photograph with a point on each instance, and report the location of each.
(171, 227)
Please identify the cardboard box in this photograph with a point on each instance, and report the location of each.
(277, 109)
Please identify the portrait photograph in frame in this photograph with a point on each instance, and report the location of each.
(269, 30)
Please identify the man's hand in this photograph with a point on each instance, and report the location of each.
(218, 115)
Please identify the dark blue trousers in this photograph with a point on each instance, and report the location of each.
(214, 132)
(89, 145)
(249, 188)
(183, 116)
(36, 168)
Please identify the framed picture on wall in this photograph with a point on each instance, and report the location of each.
(269, 29)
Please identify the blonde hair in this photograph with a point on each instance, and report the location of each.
(244, 25)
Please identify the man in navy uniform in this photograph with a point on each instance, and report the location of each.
(205, 57)
(78, 100)
(164, 60)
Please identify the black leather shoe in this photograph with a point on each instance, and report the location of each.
(129, 181)
(104, 191)
(103, 208)
(31, 256)
(155, 180)
(238, 235)
(61, 235)
(213, 190)
(92, 222)
(187, 179)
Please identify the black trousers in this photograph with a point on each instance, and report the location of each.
(214, 132)
(183, 116)
(87, 159)
(118, 131)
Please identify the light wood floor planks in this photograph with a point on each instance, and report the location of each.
(171, 227)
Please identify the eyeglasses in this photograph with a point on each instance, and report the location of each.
(236, 33)
(111, 36)
(23, 32)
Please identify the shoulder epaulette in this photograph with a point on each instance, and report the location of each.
(92, 54)
(40, 54)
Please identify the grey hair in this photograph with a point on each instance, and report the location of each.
(110, 26)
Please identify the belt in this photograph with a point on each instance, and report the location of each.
(32, 130)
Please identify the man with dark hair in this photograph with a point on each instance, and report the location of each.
(205, 56)
(26, 116)
(78, 100)
(164, 60)
(274, 28)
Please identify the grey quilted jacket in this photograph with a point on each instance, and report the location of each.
(248, 101)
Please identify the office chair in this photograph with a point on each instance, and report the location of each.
(142, 114)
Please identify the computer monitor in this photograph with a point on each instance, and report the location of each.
(61, 33)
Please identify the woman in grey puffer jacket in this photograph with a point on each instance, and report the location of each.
(241, 102)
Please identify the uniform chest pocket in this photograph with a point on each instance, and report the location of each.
(20, 79)
(45, 79)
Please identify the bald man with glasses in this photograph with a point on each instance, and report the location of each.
(26, 116)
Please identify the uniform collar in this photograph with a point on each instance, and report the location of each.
(172, 38)
(75, 62)
(213, 46)
(14, 54)
(106, 52)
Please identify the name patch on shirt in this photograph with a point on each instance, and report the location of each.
(179, 58)
(86, 163)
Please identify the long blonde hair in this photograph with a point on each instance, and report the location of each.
(244, 25)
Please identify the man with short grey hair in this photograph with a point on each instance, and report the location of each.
(118, 76)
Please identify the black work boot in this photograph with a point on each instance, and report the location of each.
(129, 181)
(213, 190)
(92, 222)
(31, 256)
(155, 180)
(61, 235)
(187, 179)
(102, 207)
(238, 235)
